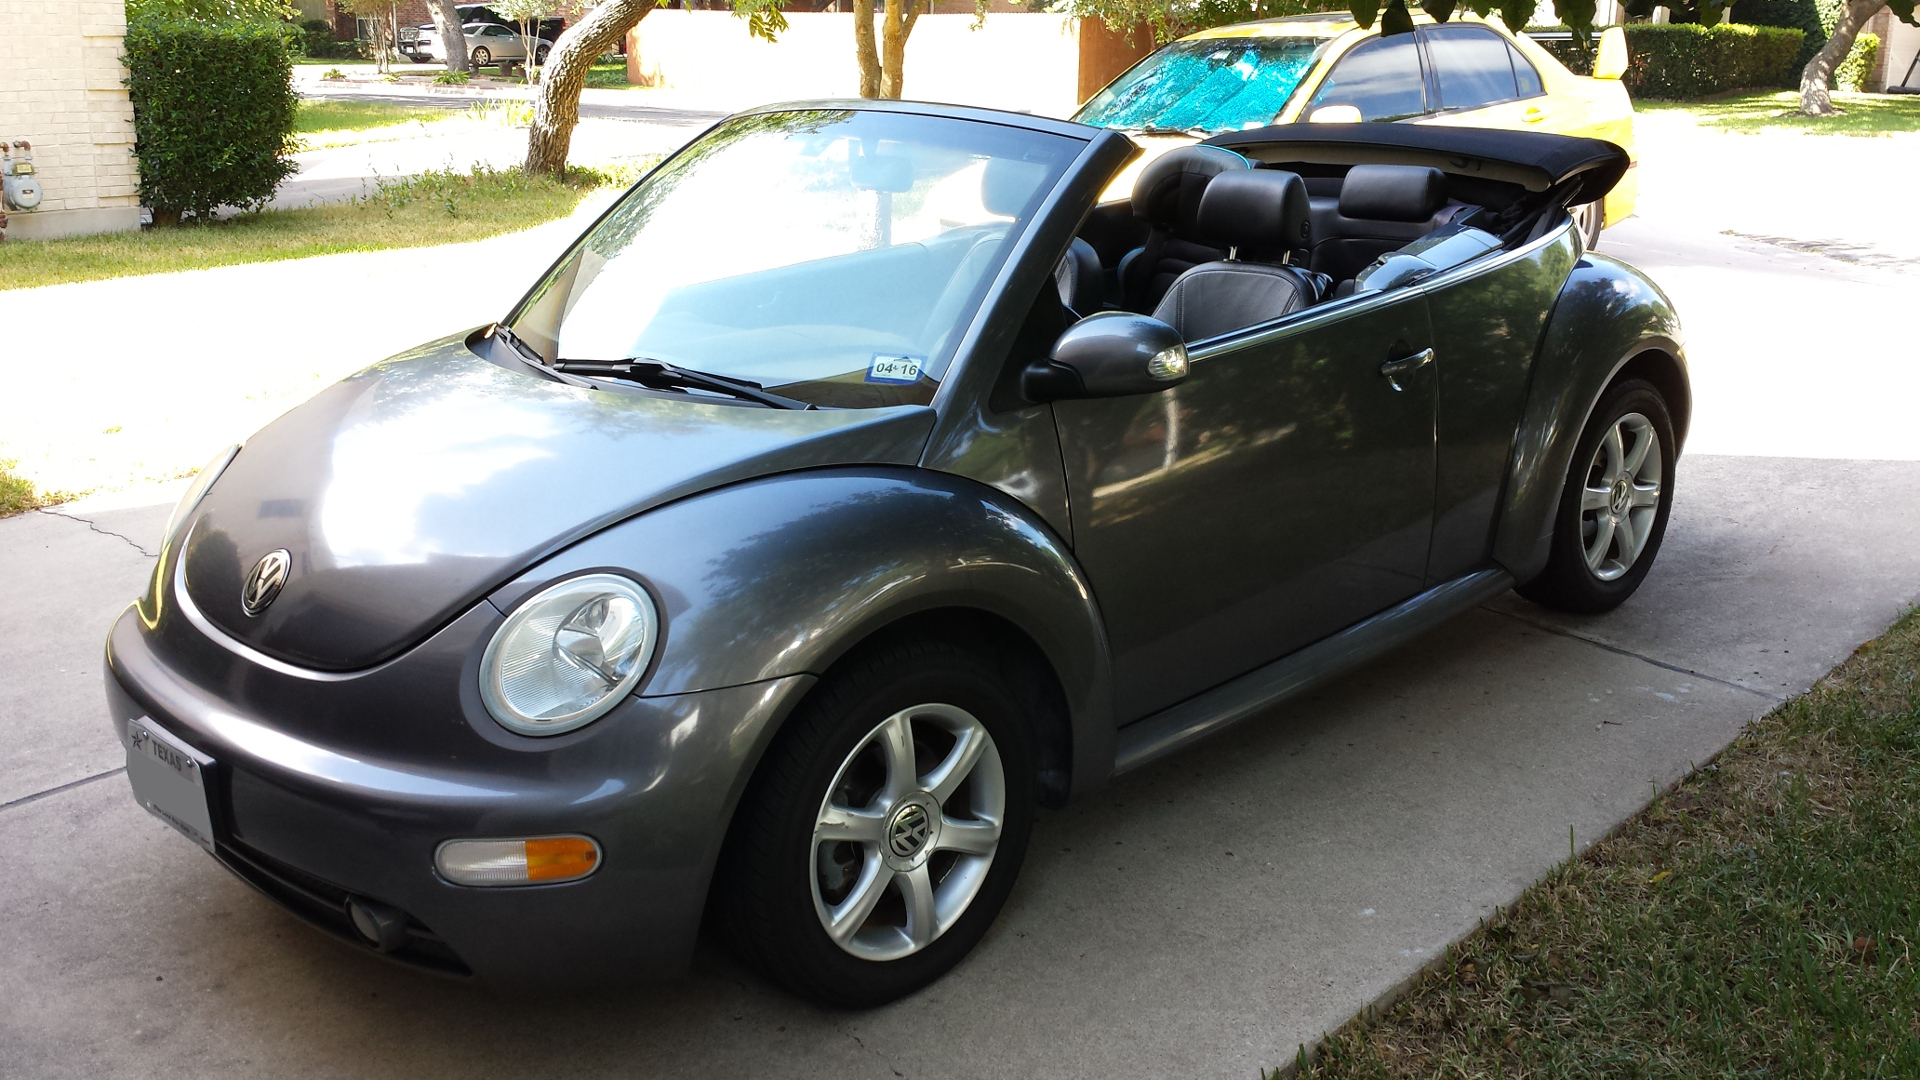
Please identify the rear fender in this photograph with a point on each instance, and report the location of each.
(1608, 316)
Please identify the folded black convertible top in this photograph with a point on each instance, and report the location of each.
(1534, 159)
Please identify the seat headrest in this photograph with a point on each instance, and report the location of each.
(1392, 192)
(1168, 190)
(1264, 210)
(1007, 184)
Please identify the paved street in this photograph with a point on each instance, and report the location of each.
(1201, 917)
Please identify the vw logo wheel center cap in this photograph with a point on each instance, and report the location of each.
(911, 831)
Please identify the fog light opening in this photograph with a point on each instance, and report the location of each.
(539, 860)
(384, 928)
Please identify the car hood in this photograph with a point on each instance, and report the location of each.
(407, 492)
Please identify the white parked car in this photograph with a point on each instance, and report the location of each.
(487, 44)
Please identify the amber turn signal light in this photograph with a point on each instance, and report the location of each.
(540, 860)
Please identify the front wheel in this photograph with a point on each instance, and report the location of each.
(480, 57)
(885, 828)
(540, 55)
(1613, 512)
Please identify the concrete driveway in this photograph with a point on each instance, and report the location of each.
(1202, 917)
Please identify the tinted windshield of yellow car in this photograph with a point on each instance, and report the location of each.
(836, 254)
(1206, 84)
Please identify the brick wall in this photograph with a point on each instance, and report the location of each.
(60, 89)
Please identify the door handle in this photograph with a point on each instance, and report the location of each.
(1393, 369)
(1534, 115)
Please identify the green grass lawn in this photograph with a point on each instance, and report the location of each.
(317, 116)
(439, 208)
(1864, 114)
(609, 76)
(1759, 920)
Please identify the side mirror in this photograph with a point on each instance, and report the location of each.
(1112, 354)
(1610, 60)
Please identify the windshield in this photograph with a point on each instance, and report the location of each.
(835, 254)
(1206, 84)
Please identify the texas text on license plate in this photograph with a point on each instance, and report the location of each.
(170, 779)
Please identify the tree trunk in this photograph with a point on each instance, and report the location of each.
(1818, 74)
(863, 48)
(557, 105)
(896, 23)
(453, 37)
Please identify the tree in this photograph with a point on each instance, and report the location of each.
(453, 36)
(527, 13)
(384, 16)
(1817, 77)
(557, 106)
(881, 69)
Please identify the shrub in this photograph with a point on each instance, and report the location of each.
(1853, 72)
(213, 114)
(1680, 62)
(1801, 15)
(316, 42)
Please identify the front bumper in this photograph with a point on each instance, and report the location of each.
(330, 789)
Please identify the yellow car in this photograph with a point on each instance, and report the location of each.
(1469, 72)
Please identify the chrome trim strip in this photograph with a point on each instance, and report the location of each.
(1156, 736)
(246, 652)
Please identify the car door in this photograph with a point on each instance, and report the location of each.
(1478, 79)
(1282, 492)
(1379, 79)
(1488, 319)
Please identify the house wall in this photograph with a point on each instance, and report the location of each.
(1024, 61)
(1898, 44)
(61, 90)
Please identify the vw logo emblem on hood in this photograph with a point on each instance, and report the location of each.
(264, 581)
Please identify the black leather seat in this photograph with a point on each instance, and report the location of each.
(1263, 219)
(1078, 277)
(1381, 208)
(1167, 196)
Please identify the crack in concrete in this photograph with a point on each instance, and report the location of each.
(103, 532)
(1629, 653)
(857, 1041)
(68, 786)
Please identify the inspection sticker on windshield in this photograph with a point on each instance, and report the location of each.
(895, 368)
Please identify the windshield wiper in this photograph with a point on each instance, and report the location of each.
(658, 375)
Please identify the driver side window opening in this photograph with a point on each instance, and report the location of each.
(1381, 78)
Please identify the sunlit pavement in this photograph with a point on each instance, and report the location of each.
(1201, 918)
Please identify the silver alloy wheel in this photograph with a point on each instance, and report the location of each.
(899, 850)
(1589, 219)
(1621, 497)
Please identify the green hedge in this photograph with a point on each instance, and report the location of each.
(1857, 68)
(1801, 15)
(1680, 62)
(213, 113)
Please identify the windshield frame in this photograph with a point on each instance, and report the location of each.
(966, 328)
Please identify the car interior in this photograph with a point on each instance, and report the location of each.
(1211, 242)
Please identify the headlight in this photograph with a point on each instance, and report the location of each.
(565, 657)
(197, 491)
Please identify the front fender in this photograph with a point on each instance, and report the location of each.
(1607, 315)
(783, 575)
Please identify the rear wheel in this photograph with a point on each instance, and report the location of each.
(480, 57)
(885, 828)
(1613, 511)
(1589, 218)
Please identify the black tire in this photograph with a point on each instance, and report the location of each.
(764, 889)
(480, 57)
(1569, 583)
(540, 55)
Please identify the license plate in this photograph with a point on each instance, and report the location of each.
(170, 779)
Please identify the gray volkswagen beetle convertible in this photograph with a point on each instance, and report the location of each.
(857, 485)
